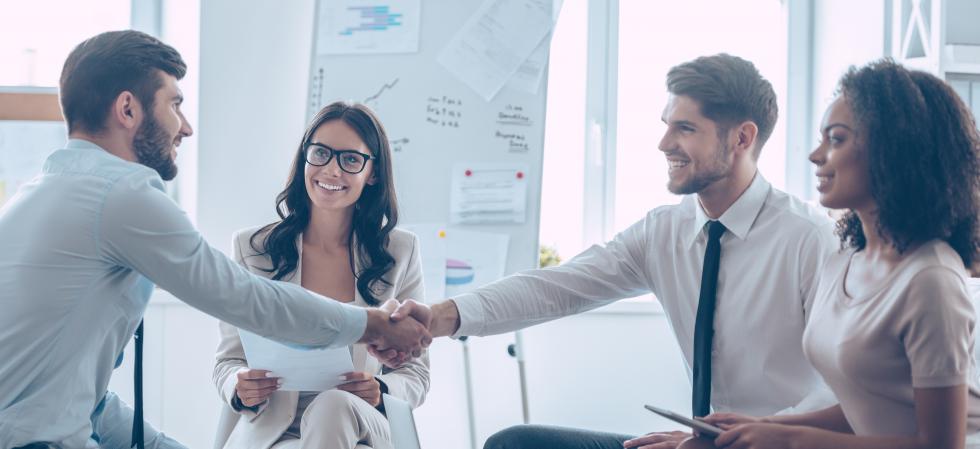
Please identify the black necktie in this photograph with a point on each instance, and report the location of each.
(704, 329)
(138, 388)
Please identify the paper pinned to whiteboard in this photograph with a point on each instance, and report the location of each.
(491, 46)
(488, 194)
(474, 259)
(358, 27)
(432, 247)
(529, 74)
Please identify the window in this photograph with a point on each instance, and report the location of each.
(36, 36)
(562, 186)
(655, 36)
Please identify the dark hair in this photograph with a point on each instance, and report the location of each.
(730, 90)
(922, 147)
(104, 66)
(375, 212)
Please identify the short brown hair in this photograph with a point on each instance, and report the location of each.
(102, 67)
(730, 90)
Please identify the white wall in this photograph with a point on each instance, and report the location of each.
(254, 69)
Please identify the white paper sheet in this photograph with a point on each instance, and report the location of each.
(473, 259)
(488, 194)
(432, 240)
(350, 27)
(528, 76)
(300, 369)
(495, 41)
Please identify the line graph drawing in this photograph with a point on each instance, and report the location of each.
(384, 87)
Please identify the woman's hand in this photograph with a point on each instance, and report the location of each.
(362, 385)
(761, 436)
(728, 420)
(255, 386)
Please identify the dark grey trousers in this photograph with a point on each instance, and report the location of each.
(551, 437)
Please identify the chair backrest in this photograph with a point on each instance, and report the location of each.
(226, 424)
(401, 422)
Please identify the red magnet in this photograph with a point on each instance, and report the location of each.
(520, 175)
(468, 172)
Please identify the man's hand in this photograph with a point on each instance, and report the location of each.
(405, 336)
(442, 320)
(657, 440)
(255, 386)
(362, 385)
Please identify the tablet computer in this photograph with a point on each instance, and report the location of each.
(702, 427)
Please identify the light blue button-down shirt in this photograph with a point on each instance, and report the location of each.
(81, 246)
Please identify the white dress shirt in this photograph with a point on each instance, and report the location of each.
(81, 246)
(771, 254)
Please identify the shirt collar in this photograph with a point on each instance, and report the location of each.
(82, 144)
(740, 216)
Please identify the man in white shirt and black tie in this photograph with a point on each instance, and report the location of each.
(734, 265)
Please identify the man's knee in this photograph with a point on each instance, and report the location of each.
(526, 435)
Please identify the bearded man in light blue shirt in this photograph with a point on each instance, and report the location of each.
(83, 243)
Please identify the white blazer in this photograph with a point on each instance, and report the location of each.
(261, 429)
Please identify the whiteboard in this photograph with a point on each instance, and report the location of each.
(435, 122)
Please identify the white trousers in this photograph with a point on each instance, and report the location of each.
(339, 420)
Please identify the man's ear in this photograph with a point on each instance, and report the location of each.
(745, 136)
(126, 111)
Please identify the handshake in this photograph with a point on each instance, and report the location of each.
(398, 331)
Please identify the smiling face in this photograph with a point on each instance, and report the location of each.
(841, 159)
(329, 187)
(696, 157)
(163, 127)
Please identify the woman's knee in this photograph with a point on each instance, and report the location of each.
(334, 403)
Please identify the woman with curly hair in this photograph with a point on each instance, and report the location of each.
(336, 236)
(891, 328)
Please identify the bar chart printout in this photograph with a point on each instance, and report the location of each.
(349, 27)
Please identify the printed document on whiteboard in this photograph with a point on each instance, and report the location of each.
(495, 41)
(487, 193)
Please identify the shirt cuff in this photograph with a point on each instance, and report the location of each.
(938, 381)
(471, 319)
(354, 324)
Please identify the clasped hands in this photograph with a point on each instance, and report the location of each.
(398, 331)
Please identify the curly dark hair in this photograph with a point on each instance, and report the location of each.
(375, 212)
(923, 148)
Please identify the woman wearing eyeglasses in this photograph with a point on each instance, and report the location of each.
(336, 236)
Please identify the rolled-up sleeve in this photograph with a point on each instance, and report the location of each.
(141, 228)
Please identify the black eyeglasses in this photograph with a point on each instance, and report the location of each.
(350, 161)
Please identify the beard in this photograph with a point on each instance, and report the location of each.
(152, 147)
(718, 168)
